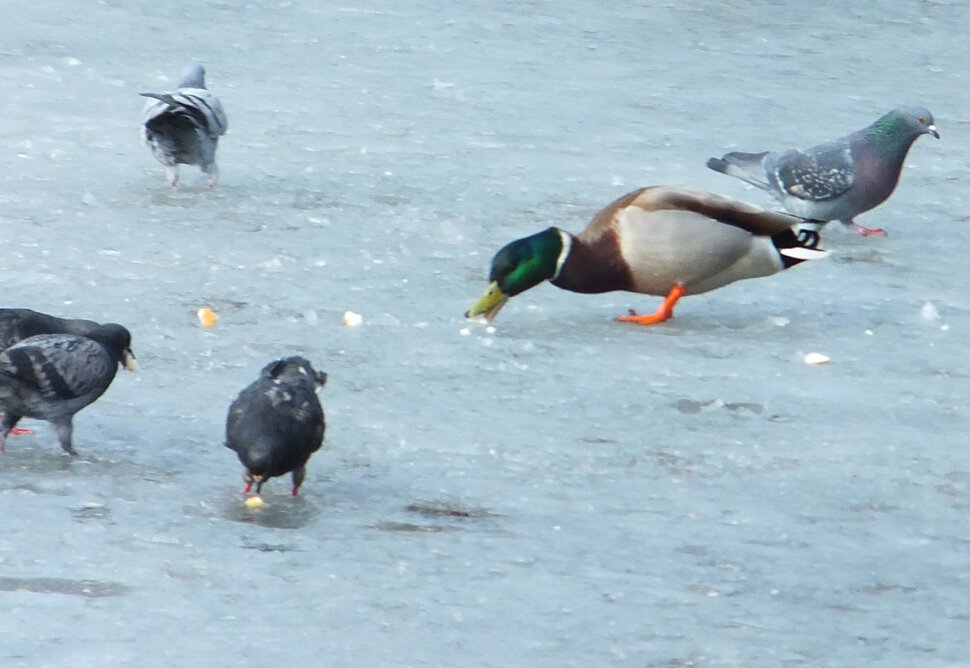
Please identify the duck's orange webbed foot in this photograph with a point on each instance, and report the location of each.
(664, 312)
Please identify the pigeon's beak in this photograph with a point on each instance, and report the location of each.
(931, 129)
(128, 360)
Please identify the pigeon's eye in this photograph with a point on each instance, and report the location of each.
(922, 119)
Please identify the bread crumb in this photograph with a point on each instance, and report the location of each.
(207, 317)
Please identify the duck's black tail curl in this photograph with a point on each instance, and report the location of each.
(795, 247)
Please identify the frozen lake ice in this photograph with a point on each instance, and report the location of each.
(565, 491)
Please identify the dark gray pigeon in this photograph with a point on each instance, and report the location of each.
(183, 127)
(17, 324)
(53, 376)
(839, 179)
(277, 422)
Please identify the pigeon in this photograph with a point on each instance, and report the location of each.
(277, 422)
(184, 126)
(53, 376)
(840, 179)
(17, 324)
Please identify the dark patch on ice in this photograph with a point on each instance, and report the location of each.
(308, 199)
(413, 528)
(862, 257)
(693, 407)
(278, 513)
(270, 547)
(695, 550)
(883, 588)
(445, 509)
(39, 489)
(679, 663)
(84, 588)
(598, 440)
(184, 198)
(744, 407)
(218, 304)
(873, 508)
(33, 453)
(91, 511)
(676, 464)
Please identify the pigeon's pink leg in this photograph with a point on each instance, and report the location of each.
(298, 475)
(17, 431)
(864, 231)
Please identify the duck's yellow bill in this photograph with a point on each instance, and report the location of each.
(489, 304)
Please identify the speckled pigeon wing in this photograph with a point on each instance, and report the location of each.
(816, 175)
(59, 366)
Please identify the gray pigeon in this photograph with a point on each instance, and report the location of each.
(277, 422)
(17, 324)
(839, 179)
(184, 126)
(53, 376)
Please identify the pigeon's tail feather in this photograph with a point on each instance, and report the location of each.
(749, 167)
(199, 103)
(175, 138)
(178, 119)
(164, 97)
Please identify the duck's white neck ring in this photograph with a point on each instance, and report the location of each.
(567, 244)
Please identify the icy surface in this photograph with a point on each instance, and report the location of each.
(563, 491)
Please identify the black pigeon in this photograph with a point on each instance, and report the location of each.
(277, 422)
(53, 376)
(17, 324)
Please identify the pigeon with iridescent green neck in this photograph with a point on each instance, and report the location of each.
(840, 179)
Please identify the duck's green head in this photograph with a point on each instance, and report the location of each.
(518, 266)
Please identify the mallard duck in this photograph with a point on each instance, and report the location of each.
(659, 240)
